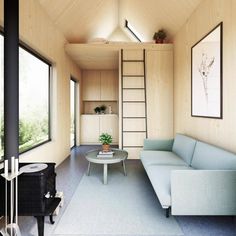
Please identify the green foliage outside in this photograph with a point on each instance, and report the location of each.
(31, 133)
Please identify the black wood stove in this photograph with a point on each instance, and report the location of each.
(36, 195)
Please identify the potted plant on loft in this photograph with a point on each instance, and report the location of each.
(97, 110)
(103, 108)
(106, 140)
(159, 36)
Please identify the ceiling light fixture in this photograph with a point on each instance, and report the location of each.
(131, 30)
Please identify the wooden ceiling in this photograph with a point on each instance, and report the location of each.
(83, 20)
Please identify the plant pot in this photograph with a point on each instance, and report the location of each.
(105, 147)
(159, 40)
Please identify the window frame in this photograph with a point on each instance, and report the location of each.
(33, 52)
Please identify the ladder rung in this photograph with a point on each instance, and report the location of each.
(133, 101)
(134, 131)
(133, 61)
(132, 117)
(133, 88)
(132, 75)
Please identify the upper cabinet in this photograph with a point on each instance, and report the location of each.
(100, 85)
(91, 85)
(109, 85)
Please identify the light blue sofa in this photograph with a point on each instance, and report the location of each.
(191, 177)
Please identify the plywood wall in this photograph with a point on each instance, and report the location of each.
(206, 16)
(37, 30)
(159, 71)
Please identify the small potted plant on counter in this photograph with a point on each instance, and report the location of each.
(97, 110)
(106, 140)
(103, 109)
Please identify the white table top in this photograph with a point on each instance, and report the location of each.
(118, 156)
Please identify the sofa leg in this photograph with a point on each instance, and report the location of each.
(168, 212)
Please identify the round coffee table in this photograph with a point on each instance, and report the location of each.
(118, 156)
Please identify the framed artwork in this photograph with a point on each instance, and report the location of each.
(206, 70)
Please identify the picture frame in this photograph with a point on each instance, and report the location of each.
(206, 75)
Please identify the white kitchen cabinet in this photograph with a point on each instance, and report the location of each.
(94, 125)
(89, 129)
(109, 124)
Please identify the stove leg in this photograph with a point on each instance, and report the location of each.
(168, 212)
(40, 220)
(51, 219)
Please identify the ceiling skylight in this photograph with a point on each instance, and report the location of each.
(132, 30)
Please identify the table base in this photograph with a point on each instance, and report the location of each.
(105, 171)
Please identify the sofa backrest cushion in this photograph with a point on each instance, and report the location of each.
(157, 144)
(209, 157)
(184, 147)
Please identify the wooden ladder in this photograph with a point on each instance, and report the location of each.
(133, 102)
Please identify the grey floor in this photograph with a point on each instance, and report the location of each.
(72, 169)
(69, 174)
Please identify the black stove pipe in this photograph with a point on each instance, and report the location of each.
(11, 79)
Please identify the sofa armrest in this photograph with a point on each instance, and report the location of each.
(158, 144)
(203, 192)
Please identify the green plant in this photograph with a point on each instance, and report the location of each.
(105, 139)
(160, 35)
(103, 108)
(97, 109)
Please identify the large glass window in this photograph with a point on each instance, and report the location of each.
(34, 99)
(72, 113)
(1, 97)
(34, 89)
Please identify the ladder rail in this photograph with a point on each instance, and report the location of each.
(145, 90)
(122, 104)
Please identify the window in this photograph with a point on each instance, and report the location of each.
(72, 113)
(1, 97)
(132, 30)
(34, 119)
(34, 99)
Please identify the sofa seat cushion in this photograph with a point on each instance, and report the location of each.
(160, 178)
(160, 158)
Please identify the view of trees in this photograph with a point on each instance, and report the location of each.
(33, 100)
